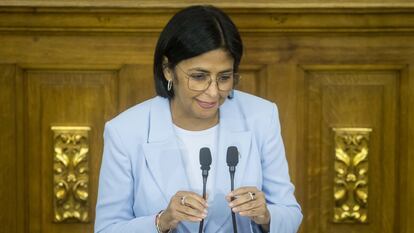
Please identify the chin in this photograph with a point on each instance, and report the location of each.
(207, 114)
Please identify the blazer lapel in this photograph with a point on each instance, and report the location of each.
(163, 155)
(165, 164)
(162, 152)
(232, 133)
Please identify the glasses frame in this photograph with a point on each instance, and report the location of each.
(236, 78)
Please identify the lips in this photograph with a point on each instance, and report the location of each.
(206, 105)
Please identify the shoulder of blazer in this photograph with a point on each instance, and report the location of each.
(132, 124)
(253, 107)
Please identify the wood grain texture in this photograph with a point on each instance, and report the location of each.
(407, 212)
(249, 4)
(102, 52)
(353, 98)
(64, 98)
(8, 141)
(123, 21)
(136, 83)
(407, 152)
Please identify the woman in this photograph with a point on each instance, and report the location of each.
(150, 177)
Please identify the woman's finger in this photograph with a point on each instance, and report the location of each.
(190, 205)
(192, 195)
(242, 199)
(191, 212)
(178, 215)
(247, 206)
(194, 204)
(248, 199)
(254, 212)
(242, 190)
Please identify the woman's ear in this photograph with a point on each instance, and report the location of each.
(166, 69)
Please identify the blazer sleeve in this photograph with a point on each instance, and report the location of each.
(285, 212)
(114, 209)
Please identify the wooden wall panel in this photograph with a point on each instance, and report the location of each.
(253, 79)
(244, 4)
(40, 50)
(406, 213)
(8, 156)
(352, 98)
(12, 167)
(221, 3)
(136, 84)
(88, 51)
(64, 98)
(410, 164)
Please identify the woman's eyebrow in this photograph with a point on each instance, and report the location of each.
(199, 69)
(207, 71)
(226, 71)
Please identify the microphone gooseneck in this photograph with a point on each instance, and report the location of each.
(232, 161)
(205, 162)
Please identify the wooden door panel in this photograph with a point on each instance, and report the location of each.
(64, 98)
(135, 85)
(253, 78)
(353, 98)
(83, 64)
(8, 158)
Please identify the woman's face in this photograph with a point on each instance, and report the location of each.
(197, 110)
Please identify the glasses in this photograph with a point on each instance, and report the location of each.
(201, 81)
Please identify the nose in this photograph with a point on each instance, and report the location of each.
(212, 89)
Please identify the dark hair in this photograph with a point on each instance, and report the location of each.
(191, 32)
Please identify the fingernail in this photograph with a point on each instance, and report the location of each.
(205, 211)
(231, 204)
(235, 209)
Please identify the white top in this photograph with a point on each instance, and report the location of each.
(190, 143)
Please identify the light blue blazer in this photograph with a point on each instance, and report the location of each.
(142, 168)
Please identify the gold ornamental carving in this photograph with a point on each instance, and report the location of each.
(351, 175)
(71, 174)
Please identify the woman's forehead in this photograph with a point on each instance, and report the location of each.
(218, 59)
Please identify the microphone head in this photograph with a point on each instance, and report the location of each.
(232, 156)
(205, 158)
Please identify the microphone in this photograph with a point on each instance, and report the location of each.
(232, 161)
(205, 162)
(232, 158)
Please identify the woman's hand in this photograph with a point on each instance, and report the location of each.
(183, 206)
(250, 202)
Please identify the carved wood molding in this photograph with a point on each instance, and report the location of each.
(147, 17)
(351, 175)
(246, 4)
(71, 174)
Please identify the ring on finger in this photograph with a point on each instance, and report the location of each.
(252, 196)
(183, 200)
